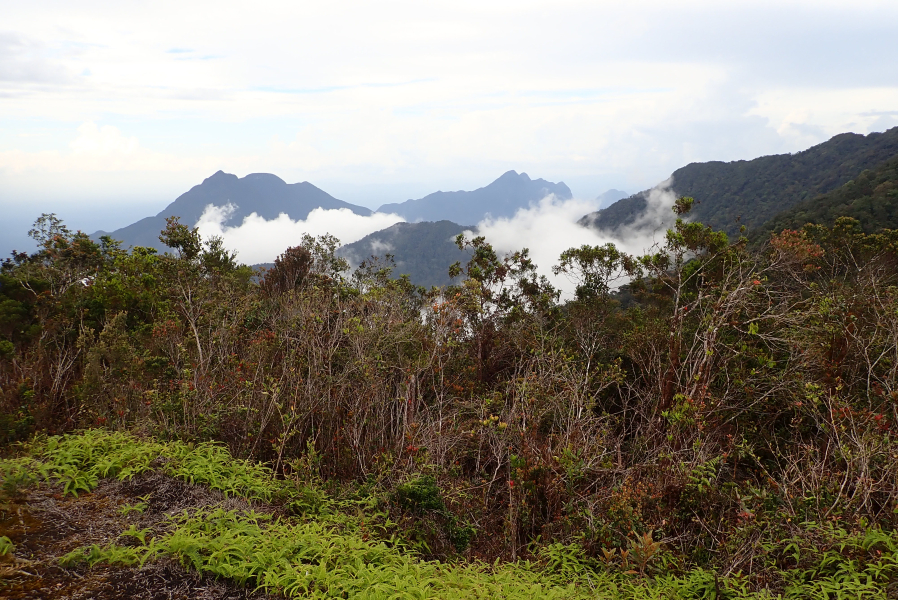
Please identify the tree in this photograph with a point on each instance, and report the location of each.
(290, 271)
(595, 269)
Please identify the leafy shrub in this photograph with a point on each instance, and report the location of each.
(338, 551)
(419, 495)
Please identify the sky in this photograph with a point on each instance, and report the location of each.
(110, 110)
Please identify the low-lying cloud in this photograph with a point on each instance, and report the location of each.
(550, 227)
(258, 240)
(547, 229)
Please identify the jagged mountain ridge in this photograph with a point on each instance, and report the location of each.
(501, 198)
(261, 193)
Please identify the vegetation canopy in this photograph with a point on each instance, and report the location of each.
(711, 419)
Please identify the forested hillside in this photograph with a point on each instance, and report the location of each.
(730, 432)
(871, 198)
(423, 251)
(751, 192)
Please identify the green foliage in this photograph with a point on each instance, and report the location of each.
(6, 546)
(508, 287)
(16, 473)
(17, 426)
(420, 494)
(871, 198)
(310, 560)
(316, 561)
(836, 563)
(750, 193)
(652, 433)
(700, 584)
(422, 497)
(212, 465)
(137, 507)
(595, 269)
(129, 556)
(569, 561)
(335, 556)
(79, 461)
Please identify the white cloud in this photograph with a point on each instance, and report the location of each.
(551, 227)
(106, 141)
(258, 240)
(101, 149)
(22, 63)
(604, 94)
(379, 247)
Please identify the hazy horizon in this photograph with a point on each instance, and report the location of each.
(110, 111)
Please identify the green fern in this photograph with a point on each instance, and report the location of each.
(6, 546)
(329, 550)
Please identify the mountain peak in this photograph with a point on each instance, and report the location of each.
(264, 194)
(749, 193)
(502, 198)
(513, 176)
(219, 176)
(265, 178)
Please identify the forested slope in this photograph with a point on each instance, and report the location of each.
(751, 192)
(424, 251)
(871, 198)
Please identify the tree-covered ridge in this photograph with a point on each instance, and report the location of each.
(740, 398)
(871, 198)
(749, 193)
(424, 251)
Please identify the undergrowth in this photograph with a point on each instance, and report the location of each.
(349, 549)
(312, 560)
(79, 461)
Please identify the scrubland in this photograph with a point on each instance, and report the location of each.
(722, 425)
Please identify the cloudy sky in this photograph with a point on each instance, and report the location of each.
(110, 110)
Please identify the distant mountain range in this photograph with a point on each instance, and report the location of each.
(751, 192)
(268, 196)
(848, 175)
(502, 198)
(261, 193)
(610, 197)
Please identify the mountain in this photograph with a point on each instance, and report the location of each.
(623, 212)
(501, 198)
(610, 197)
(262, 193)
(871, 198)
(423, 251)
(731, 194)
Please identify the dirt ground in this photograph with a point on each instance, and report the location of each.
(45, 526)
